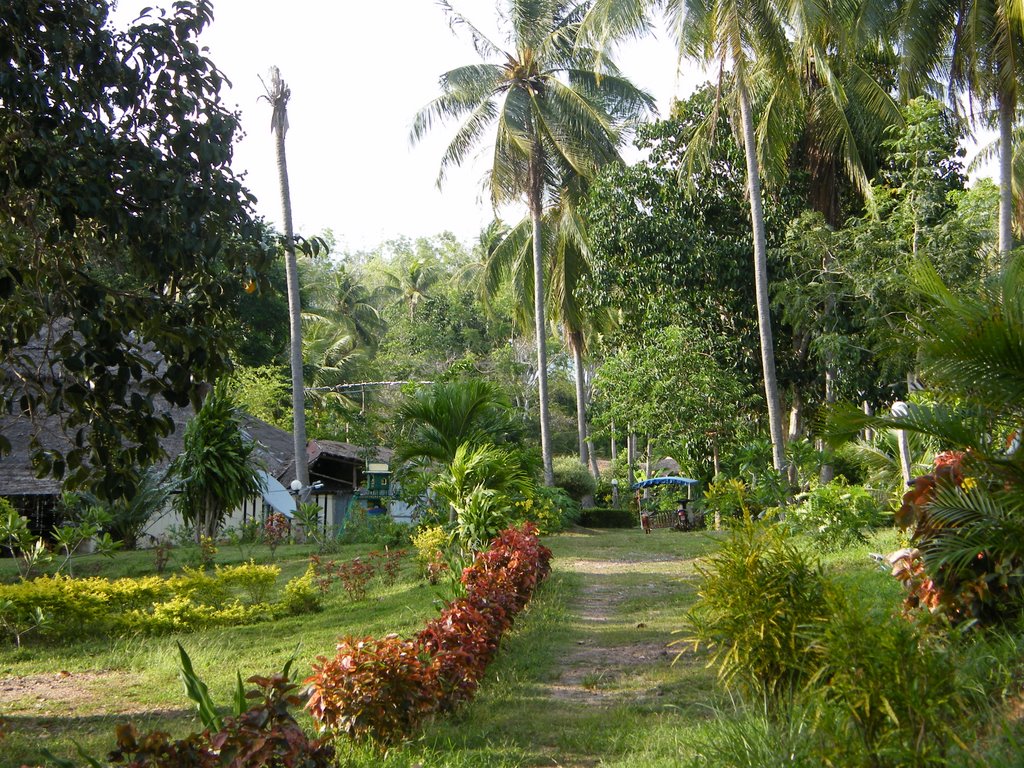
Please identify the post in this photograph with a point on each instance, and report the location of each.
(900, 411)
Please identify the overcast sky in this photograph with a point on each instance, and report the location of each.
(358, 72)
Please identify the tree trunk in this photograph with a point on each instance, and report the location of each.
(828, 473)
(540, 328)
(614, 446)
(576, 344)
(795, 417)
(764, 322)
(280, 126)
(630, 457)
(1006, 114)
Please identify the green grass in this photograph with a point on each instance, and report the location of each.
(568, 688)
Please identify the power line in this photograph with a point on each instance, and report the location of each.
(363, 385)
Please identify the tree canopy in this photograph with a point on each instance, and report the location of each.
(125, 237)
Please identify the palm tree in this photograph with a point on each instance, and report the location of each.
(568, 264)
(278, 94)
(216, 469)
(338, 295)
(411, 282)
(734, 36)
(554, 113)
(440, 418)
(976, 47)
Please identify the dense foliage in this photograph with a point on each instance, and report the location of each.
(126, 237)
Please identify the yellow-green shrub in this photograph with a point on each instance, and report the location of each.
(301, 594)
(182, 614)
(430, 543)
(256, 582)
(74, 608)
(200, 586)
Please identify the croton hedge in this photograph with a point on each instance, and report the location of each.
(383, 689)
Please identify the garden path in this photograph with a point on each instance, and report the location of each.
(627, 614)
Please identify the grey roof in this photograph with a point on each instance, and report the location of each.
(338, 450)
(274, 448)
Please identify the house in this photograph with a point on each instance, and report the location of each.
(340, 469)
(344, 476)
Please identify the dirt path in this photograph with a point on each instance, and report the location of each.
(623, 646)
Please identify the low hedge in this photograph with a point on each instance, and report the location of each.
(599, 517)
(383, 689)
(73, 608)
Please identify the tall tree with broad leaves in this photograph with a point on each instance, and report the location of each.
(976, 49)
(125, 237)
(737, 37)
(277, 95)
(555, 110)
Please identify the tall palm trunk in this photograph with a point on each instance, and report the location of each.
(278, 96)
(764, 322)
(536, 203)
(1006, 110)
(576, 344)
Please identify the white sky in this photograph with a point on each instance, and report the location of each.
(359, 71)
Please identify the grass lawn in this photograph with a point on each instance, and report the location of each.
(586, 677)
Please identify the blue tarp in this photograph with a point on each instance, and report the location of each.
(664, 481)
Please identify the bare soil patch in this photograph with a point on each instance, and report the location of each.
(79, 693)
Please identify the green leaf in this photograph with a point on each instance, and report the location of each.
(199, 693)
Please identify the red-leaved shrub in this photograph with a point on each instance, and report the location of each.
(383, 689)
(373, 689)
(265, 734)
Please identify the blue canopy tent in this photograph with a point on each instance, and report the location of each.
(682, 519)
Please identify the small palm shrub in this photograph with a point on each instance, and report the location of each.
(759, 608)
(835, 515)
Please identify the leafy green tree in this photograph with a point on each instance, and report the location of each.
(263, 392)
(125, 237)
(557, 115)
(735, 36)
(670, 386)
(921, 208)
(216, 469)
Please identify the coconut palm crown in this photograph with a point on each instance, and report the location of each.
(553, 109)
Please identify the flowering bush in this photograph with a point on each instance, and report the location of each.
(963, 563)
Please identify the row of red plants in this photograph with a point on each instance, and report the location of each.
(373, 689)
(383, 689)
